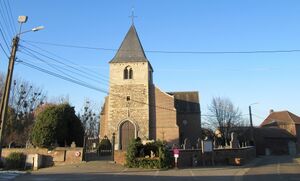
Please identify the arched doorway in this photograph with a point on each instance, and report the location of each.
(127, 133)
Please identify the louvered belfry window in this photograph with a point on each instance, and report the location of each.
(128, 73)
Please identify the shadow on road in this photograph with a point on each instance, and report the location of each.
(125, 177)
(273, 160)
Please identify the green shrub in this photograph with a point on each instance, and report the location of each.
(132, 153)
(134, 159)
(152, 146)
(14, 161)
(57, 124)
(165, 157)
(104, 145)
(148, 163)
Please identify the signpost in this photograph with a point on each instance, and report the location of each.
(176, 155)
(207, 151)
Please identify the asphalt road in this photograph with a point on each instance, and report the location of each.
(263, 168)
(275, 168)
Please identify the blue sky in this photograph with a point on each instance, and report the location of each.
(270, 79)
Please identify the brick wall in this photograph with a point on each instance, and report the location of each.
(120, 157)
(57, 156)
(186, 157)
(192, 130)
(221, 156)
(166, 126)
(298, 137)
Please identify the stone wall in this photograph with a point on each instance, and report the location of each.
(58, 156)
(136, 110)
(104, 118)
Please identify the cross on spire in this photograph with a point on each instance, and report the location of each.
(132, 15)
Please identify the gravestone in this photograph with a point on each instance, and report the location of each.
(29, 144)
(198, 144)
(234, 142)
(187, 144)
(73, 145)
(152, 155)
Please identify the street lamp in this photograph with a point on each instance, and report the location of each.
(251, 124)
(12, 58)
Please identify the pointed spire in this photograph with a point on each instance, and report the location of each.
(131, 49)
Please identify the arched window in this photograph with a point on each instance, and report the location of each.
(125, 74)
(128, 73)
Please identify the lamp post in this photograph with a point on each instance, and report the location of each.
(251, 125)
(12, 58)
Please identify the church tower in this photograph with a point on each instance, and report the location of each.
(128, 101)
(135, 107)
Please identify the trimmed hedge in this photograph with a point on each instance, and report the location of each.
(136, 152)
(15, 161)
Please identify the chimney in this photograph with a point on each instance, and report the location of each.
(271, 111)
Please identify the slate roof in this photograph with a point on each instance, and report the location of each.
(131, 49)
(281, 116)
(186, 102)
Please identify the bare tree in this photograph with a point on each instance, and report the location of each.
(90, 119)
(61, 99)
(224, 116)
(24, 99)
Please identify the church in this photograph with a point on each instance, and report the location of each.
(136, 107)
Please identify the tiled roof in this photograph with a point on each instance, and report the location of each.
(281, 116)
(131, 49)
(272, 132)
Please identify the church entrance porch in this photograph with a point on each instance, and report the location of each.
(127, 133)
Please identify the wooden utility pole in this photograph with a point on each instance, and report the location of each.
(5, 95)
(251, 128)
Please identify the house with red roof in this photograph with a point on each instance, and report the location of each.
(279, 130)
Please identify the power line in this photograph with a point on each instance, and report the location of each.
(10, 19)
(61, 76)
(71, 46)
(11, 14)
(258, 116)
(5, 20)
(106, 80)
(82, 73)
(57, 69)
(88, 85)
(57, 56)
(171, 52)
(4, 51)
(117, 95)
(4, 39)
